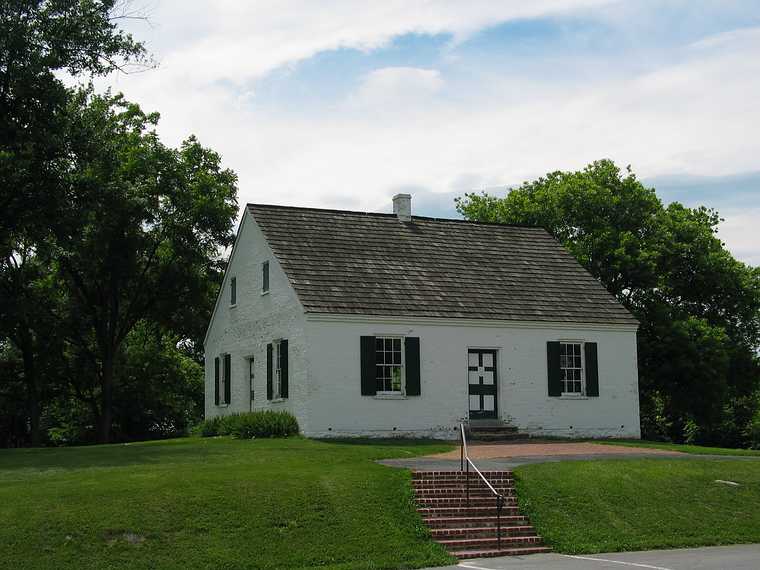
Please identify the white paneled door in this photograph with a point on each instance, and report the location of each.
(481, 382)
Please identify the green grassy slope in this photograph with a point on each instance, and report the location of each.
(615, 505)
(212, 503)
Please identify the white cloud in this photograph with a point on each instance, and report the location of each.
(739, 232)
(407, 127)
(239, 41)
(397, 88)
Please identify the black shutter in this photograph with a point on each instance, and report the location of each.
(552, 365)
(592, 369)
(283, 368)
(233, 291)
(369, 376)
(227, 377)
(412, 347)
(269, 371)
(216, 381)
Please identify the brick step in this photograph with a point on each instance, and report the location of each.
(434, 522)
(459, 474)
(490, 553)
(462, 491)
(482, 532)
(422, 497)
(464, 502)
(454, 544)
(466, 511)
(477, 481)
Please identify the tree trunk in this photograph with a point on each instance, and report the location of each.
(106, 403)
(32, 389)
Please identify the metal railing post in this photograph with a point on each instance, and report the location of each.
(467, 483)
(461, 451)
(499, 506)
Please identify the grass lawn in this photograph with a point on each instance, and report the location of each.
(695, 449)
(614, 505)
(213, 503)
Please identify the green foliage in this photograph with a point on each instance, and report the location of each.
(250, 425)
(213, 503)
(147, 223)
(699, 308)
(615, 505)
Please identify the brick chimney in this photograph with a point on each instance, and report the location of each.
(402, 207)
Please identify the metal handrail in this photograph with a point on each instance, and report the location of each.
(466, 462)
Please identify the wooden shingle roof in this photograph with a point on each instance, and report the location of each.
(372, 264)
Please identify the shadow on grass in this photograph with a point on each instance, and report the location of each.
(185, 450)
(383, 442)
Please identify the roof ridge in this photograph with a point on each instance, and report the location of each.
(391, 215)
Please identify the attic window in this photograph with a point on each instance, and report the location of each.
(233, 291)
(265, 277)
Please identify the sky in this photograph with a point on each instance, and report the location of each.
(344, 104)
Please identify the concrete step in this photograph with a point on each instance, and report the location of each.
(491, 552)
(484, 427)
(492, 436)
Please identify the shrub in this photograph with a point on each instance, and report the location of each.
(249, 425)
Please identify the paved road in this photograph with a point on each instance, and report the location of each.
(741, 557)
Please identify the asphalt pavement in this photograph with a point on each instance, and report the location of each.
(739, 557)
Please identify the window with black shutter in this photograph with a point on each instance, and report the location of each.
(572, 368)
(390, 365)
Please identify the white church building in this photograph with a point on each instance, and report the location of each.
(381, 325)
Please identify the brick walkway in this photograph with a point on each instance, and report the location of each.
(553, 449)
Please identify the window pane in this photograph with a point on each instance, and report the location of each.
(378, 344)
(396, 385)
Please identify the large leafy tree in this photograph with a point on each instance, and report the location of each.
(699, 308)
(40, 40)
(145, 226)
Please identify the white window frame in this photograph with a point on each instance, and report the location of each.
(276, 371)
(402, 390)
(582, 393)
(222, 385)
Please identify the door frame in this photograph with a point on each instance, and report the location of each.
(495, 353)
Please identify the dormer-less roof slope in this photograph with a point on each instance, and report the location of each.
(373, 264)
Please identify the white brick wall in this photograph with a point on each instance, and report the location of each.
(255, 321)
(338, 408)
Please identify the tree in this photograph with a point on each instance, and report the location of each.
(145, 227)
(28, 302)
(699, 308)
(40, 39)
